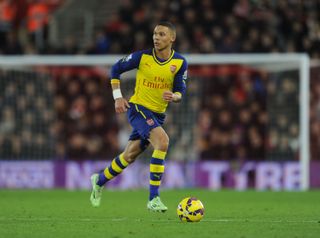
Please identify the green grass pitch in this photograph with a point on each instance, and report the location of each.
(60, 213)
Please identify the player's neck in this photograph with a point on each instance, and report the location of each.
(164, 54)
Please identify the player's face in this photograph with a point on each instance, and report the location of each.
(163, 38)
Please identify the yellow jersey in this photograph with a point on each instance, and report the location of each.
(153, 77)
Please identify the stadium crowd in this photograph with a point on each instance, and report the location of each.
(86, 126)
(242, 116)
(26, 115)
(235, 119)
(204, 26)
(315, 114)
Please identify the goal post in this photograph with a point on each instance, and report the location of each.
(304, 118)
(272, 62)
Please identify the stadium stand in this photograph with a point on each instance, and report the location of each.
(230, 127)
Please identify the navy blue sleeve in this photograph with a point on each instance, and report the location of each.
(179, 84)
(125, 64)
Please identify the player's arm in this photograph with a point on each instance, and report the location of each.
(179, 85)
(120, 103)
(125, 64)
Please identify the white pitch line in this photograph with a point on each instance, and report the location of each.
(260, 221)
(44, 219)
(40, 219)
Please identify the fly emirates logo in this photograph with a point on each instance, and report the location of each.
(157, 83)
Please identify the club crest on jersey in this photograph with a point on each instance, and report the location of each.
(150, 122)
(173, 68)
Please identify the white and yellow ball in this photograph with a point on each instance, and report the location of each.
(190, 209)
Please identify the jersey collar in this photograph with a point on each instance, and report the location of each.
(159, 62)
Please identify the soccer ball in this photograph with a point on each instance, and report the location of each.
(190, 209)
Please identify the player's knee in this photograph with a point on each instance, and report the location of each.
(164, 144)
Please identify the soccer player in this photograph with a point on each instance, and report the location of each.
(160, 79)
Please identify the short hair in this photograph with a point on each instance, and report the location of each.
(167, 24)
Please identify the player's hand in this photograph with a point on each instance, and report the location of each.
(169, 96)
(121, 105)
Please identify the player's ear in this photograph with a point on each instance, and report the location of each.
(173, 37)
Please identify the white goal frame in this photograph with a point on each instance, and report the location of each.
(275, 61)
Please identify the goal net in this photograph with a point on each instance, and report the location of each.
(237, 108)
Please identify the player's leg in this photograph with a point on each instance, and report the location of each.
(147, 126)
(117, 165)
(160, 142)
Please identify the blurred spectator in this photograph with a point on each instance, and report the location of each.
(12, 46)
(37, 16)
(7, 17)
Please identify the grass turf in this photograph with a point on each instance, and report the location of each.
(60, 213)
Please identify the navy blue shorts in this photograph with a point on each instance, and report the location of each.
(143, 121)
